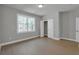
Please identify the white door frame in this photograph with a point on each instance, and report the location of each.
(51, 29)
(77, 29)
(42, 28)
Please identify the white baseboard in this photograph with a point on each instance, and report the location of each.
(65, 39)
(16, 41)
(69, 39)
(56, 38)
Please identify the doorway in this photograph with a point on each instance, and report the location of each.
(45, 28)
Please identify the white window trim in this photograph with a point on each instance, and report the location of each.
(27, 24)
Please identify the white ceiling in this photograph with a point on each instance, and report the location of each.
(47, 9)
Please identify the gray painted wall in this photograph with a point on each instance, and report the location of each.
(9, 25)
(0, 24)
(64, 25)
(68, 23)
(54, 16)
(60, 25)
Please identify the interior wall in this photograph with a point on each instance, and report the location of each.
(68, 24)
(9, 24)
(60, 25)
(72, 16)
(0, 24)
(54, 16)
(64, 25)
(45, 27)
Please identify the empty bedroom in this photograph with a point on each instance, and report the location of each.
(39, 29)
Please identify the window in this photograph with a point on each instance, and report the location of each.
(31, 24)
(25, 23)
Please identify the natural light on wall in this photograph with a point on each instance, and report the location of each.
(25, 23)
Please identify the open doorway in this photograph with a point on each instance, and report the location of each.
(45, 28)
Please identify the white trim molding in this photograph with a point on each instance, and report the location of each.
(69, 39)
(56, 38)
(16, 41)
